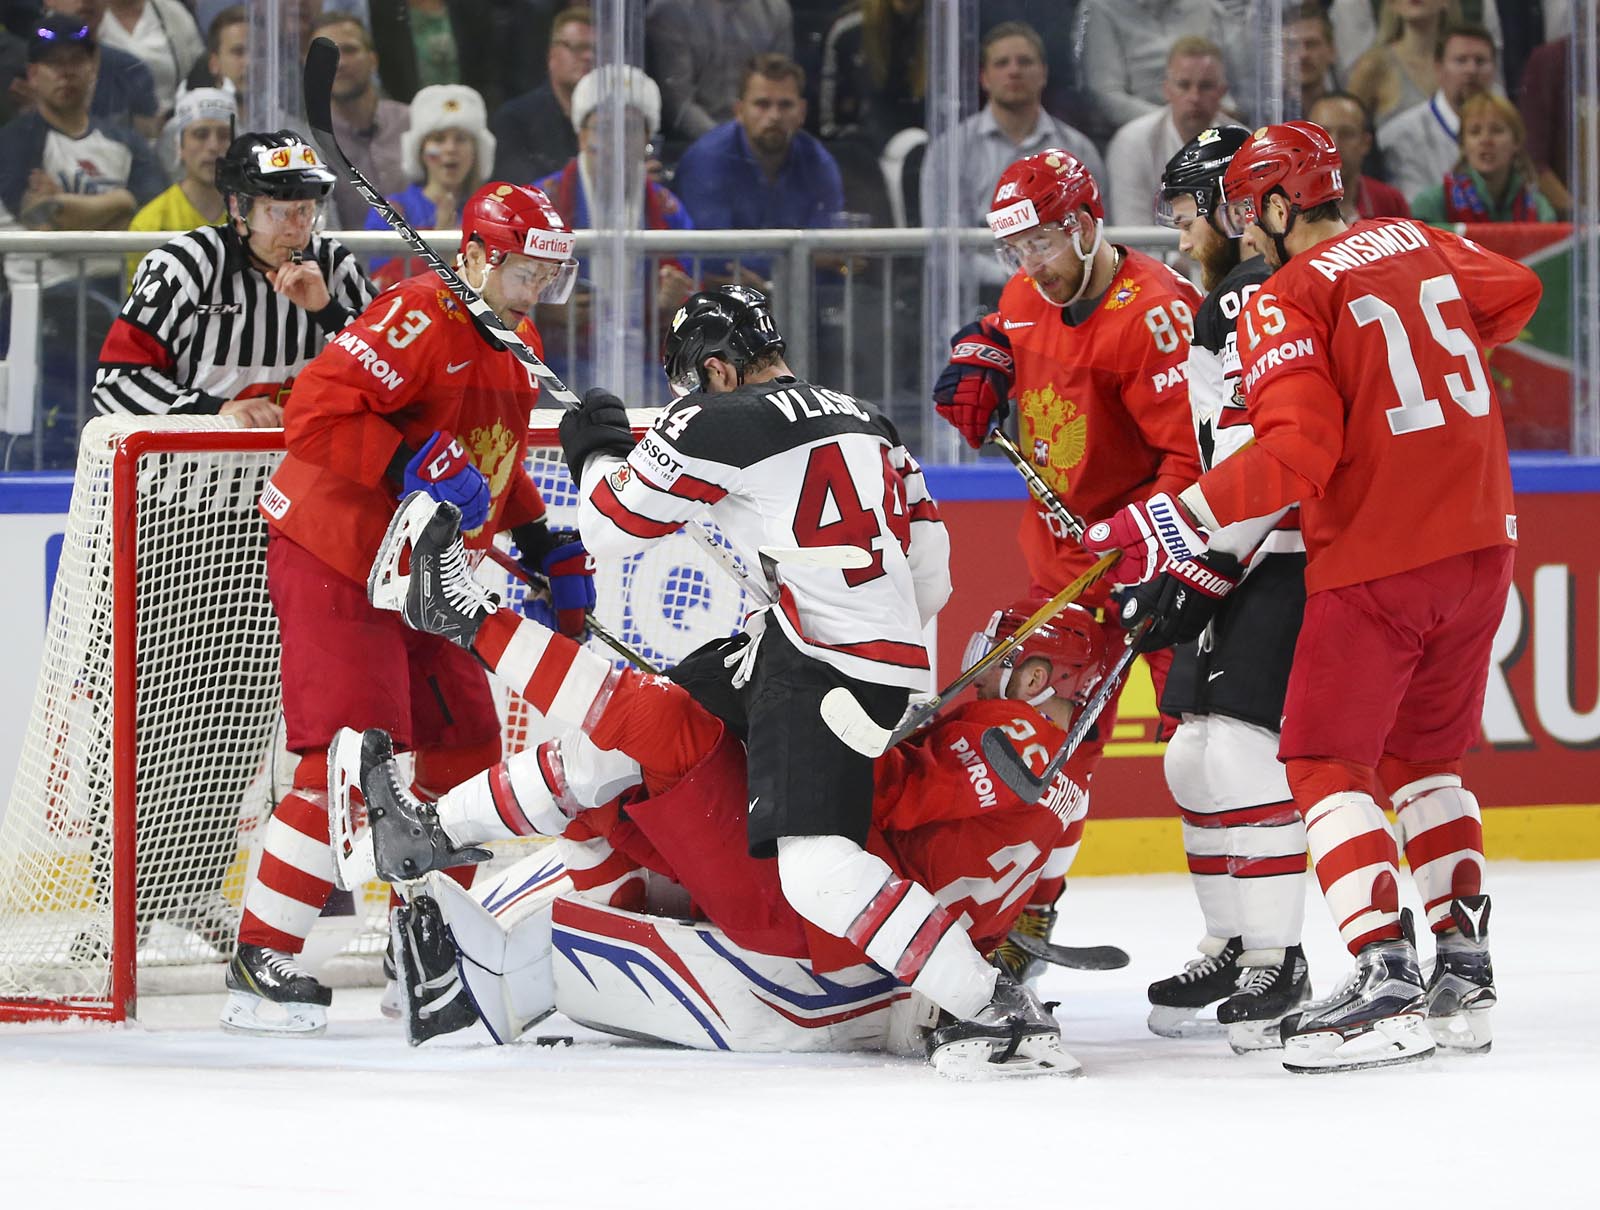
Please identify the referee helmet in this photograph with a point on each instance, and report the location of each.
(280, 165)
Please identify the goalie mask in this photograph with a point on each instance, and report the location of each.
(522, 221)
(1072, 643)
(732, 323)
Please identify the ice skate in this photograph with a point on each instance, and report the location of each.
(433, 1000)
(269, 994)
(437, 594)
(1178, 1004)
(405, 834)
(1377, 1017)
(1272, 984)
(1036, 921)
(1461, 986)
(1013, 1035)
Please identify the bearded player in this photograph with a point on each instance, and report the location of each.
(411, 396)
(1090, 339)
(937, 816)
(1231, 616)
(1372, 406)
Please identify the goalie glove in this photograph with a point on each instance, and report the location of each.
(972, 390)
(443, 470)
(1182, 600)
(558, 558)
(598, 425)
(1150, 534)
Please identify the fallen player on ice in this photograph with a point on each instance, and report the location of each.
(649, 779)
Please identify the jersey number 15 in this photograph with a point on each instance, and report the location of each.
(1417, 410)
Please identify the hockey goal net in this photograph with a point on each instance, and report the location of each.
(153, 752)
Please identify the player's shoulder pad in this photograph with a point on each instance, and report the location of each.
(1220, 311)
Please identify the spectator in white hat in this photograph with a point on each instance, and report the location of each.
(446, 154)
(198, 132)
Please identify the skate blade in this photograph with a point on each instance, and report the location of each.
(1464, 1033)
(386, 584)
(355, 861)
(389, 1004)
(1166, 1022)
(972, 1059)
(250, 1014)
(1389, 1041)
(1245, 1037)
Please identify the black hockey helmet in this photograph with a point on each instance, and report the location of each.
(730, 322)
(280, 165)
(1196, 171)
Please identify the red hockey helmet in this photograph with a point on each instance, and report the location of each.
(519, 219)
(1072, 642)
(1300, 158)
(1045, 191)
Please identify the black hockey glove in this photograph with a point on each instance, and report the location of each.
(598, 425)
(1182, 600)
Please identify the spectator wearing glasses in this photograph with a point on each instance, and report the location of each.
(533, 133)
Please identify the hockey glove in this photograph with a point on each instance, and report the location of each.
(1150, 534)
(559, 559)
(972, 390)
(598, 425)
(1182, 600)
(443, 470)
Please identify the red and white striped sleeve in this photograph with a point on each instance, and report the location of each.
(627, 505)
(929, 551)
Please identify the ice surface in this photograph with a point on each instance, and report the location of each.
(173, 1113)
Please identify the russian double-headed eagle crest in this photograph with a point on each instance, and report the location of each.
(1060, 431)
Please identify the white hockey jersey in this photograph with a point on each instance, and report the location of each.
(789, 464)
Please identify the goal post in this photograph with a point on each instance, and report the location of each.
(148, 767)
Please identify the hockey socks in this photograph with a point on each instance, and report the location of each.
(563, 681)
(1357, 864)
(296, 873)
(536, 792)
(1443, 836)
(842, 889)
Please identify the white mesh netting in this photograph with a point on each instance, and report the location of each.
(204, 688)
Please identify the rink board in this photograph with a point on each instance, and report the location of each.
(1536, 771)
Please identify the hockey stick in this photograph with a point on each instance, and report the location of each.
(1008, 764)
(1075, 957)
(518, 572)
(848, 719)
(1041, 490)
(322, 63)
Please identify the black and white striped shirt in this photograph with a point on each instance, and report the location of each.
(202, 324)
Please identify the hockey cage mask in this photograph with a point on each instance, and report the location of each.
(733, 323)
(521, 220)
(1072, 642)
(1034, 214)
(1196, 171)
(1297, 159)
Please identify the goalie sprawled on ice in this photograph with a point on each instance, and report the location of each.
(649, 779)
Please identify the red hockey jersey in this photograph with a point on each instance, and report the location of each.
(1103, 407)
(1365, 376)
(412, 364)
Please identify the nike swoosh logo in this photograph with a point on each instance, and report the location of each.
(753, 802)
(1213, 676)
(460, 365)
(1009, 325)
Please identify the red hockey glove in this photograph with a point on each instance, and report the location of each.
(443, 470)
(1150, 534)
(972, 390)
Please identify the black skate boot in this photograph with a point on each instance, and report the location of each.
(1272, 984)
(1015, 1034)
(407, 839)
(433, 999)
(269, 994)
(1036, 921)
(1376, 1018)
(1177, 1004)
(438, 595)
(1461, 987)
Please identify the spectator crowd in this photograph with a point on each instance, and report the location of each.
(758, 113)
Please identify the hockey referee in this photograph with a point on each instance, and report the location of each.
(219, 320)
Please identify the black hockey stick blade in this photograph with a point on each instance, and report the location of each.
(1077, 957)
(1008, 764)
(322, 62)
